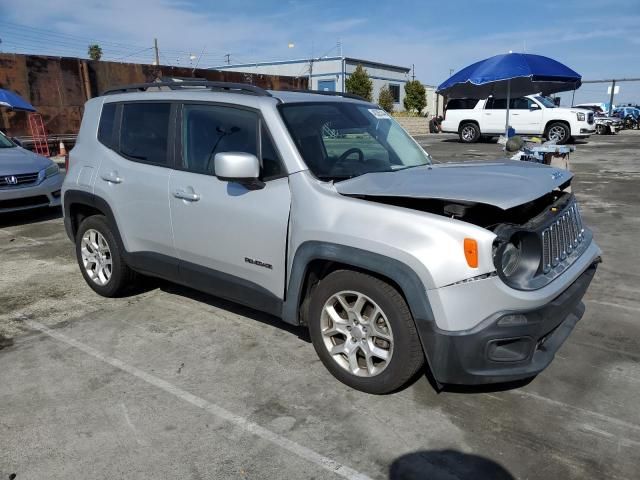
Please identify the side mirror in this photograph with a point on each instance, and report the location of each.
(534, 106)
(239, 167)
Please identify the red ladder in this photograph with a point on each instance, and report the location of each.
(39, 134)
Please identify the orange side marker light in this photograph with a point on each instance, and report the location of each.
(471, 252)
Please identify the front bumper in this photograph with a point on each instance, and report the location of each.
(585, 132)
(507, 346)
(43, 194)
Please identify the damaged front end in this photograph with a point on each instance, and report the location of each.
(536, 239)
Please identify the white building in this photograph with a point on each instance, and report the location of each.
(330, 73)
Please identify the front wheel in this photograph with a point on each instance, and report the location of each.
(469, 133)
(363, 332)
(559, 132)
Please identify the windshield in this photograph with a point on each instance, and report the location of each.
(546, 101)
(340, 140)
(5, 142)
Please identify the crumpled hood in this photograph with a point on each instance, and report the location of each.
(504, 184)
(17, 160)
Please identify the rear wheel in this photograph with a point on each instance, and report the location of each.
(100, 258)
(469, 132)
(363, 332)
(559, 132)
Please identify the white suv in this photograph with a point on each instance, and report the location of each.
(320, 209)
(530, 115)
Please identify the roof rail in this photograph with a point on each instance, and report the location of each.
(326, 92)
(180, 85)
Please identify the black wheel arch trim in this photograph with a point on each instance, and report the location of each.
(401, 274)
(80, 197)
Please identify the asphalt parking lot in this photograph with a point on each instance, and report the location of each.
(171, 383)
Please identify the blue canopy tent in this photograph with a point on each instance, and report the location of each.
(510, 75)
(14, 101)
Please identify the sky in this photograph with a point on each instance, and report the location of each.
(600, 39)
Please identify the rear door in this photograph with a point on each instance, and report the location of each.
(494, 116)
(231, 241)
(133, 176)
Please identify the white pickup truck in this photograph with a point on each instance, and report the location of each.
(530, 115)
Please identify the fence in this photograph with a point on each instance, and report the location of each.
(58, 87)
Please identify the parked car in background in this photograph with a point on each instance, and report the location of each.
(604, 123)
(322, 210)
(630, 116)
(27, 180)
(472, 119)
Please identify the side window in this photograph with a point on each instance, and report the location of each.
(207, 130)
(496, 104)
(520, 103)
(144, 132)
(107, 125)
(271, 165)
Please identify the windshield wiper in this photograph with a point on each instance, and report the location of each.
(337, 177)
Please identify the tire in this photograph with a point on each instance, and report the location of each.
(392, 331)
(601, 129)
(469, 132)
(558, 131)
(107, 274)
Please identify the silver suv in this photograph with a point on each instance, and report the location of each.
(322, 210)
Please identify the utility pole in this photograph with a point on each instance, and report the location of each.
(413, 75)
(310, 87)
(613, 91)
(228, 56)
(155, 47)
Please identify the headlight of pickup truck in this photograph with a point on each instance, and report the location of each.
(580, 116)
(518, 260)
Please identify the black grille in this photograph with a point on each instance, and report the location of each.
(18, 180)
(561, 237)
(38, 200)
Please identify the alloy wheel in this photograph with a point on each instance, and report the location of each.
(96, 257)
(356, 333)
(468, 133)
(557, 133)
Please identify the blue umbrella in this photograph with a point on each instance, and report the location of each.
(14, 101)
(510, 75)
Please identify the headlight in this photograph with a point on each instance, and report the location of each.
(518, 259)
(580, 116)
(510, 259)
(51, 170)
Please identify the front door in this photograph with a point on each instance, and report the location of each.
(525, 116)
(231, 241)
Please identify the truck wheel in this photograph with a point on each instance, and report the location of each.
(559, 132)
(469, 133)
(363, 332)
(100, 258)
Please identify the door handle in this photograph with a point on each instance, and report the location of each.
(111, 177)
(188, 196)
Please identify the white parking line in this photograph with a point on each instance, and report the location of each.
(237, 420)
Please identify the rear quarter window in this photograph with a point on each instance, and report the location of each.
(106, 128)
(462, 104)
